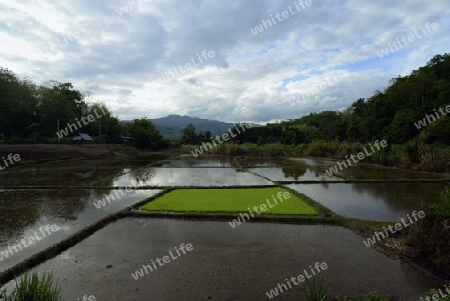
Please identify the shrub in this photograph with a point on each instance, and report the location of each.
(31, 287)
(315, 290)
(430, 238)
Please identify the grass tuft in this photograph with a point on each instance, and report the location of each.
(32, 288)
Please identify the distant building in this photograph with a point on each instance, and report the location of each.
(123, 139)
(82, 138)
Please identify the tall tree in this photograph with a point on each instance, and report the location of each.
(145, 135)
(189, 135)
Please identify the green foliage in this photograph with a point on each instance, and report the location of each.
(31, 287)
(30, 113)
(430, 238)
(402, 128)
(435, 291)
(146, 136)
(292, 136)
(229, 149)
(442, 208)
(315, 290)
(390, 114)
(30, 110)
(189, 135)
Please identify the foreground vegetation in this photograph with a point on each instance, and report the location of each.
(429, 241)
(316, 290)
(32, 288)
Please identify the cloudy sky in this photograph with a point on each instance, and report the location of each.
(307, 56)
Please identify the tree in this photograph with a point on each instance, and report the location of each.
(208, 136)
(189, 135)
(402, 127)
(145, 135)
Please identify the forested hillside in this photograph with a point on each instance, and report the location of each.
(410, 112)
(392, 114)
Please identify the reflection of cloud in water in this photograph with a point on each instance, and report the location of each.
(192, 177)
(203, 162)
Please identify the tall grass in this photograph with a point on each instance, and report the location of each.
(315, 290)
(413, 155)
(430, 238)
(32, 288)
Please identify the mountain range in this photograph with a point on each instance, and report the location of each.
(172, 125)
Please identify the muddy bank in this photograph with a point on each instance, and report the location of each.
(46, 152)
(38, 153)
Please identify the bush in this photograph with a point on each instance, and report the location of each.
(431, 237)
(30, 287)
(435, 291)
(316, 290)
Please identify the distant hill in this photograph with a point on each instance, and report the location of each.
(172, 125)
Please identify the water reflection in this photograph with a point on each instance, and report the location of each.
(191, 177)
(72, 173)
(25, 210)
(373, 201)
(209, 161)
(366, 171)
(250, 162)
(298, 173)
(315, 162)
(383, 173)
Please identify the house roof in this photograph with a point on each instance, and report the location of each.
(84, 137)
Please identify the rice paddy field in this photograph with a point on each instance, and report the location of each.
(266, 200)
(297, 217)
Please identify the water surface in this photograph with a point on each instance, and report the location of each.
(294, 173)
(23, 211)
(204, 161)
(73, 172)
(225, 264)
(191, 177)
(388, 201)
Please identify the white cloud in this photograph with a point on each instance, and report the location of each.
(251, 77)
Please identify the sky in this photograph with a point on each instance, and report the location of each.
(233, 61)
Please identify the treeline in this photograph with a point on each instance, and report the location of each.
(35, 112)
(410, 111)
(392, 114)
(32, 113)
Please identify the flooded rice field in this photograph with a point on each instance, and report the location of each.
(385, 201)
(25, 211)
(190, 177)
(225, 263)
